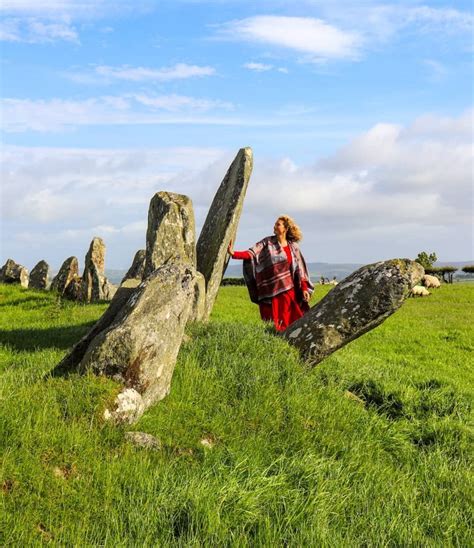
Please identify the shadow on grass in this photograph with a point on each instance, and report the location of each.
(53, 337)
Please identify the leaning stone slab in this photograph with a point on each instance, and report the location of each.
(171, 231)
(69, 270)
(14, 273)
(221, 225)
(39, 276)
(138, 266)
(139, 349)
(71, 361)
(356, 305)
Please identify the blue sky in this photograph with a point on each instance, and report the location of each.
(359, 115)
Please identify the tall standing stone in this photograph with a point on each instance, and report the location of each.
(356, 305)
(221, 225)
(138, 267)
(14, 273)
(39, 276)
(171, 231)
(95, 286)
(69, 271)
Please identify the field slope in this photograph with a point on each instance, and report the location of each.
(372, 447)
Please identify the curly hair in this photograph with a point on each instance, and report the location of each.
(294, 233)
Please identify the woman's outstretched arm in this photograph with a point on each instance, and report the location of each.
(244, 255)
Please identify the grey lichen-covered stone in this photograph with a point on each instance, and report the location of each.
(171, 232)
(221, 225)
(14, 273)
(95, 286)
(71, 361)
(138, 266)
(142, 439)
(139, 349)
(356, 305)
(39, 276)
(69, 271)
(199, 299)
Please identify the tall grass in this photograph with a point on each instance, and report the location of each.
(372, 447)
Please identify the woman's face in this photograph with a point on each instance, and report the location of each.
(279, 228)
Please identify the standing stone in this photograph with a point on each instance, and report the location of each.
(138, 267)
(73, 291)
(95, 286)
(14, 273)
(69, 270)
(171, 231)
(39, 276)
(139, 349)
(356, 305)
(221, 225)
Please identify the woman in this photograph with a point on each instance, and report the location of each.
(276, 275)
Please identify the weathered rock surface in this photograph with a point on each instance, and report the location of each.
(171, 231)
(14, 273)
(69, 270)
(138, 267)
(221, 225)
(72, 360)
(39, 276)
(95, 286)
(140, 345)
(73, 291)
(356, 305)
(199, 299)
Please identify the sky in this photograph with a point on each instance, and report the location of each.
(359, 114)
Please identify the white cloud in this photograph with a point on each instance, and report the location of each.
(21, 115)
(35, 30)
(383, 22)
(263, 67)
(315, 38)
(392, 190)
(174, 102)
(258, 67)
(179, 71)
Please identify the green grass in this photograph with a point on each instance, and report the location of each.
(293, 461)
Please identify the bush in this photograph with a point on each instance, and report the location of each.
(426, 260)
(233, 281)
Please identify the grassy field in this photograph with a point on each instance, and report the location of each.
(257, 449)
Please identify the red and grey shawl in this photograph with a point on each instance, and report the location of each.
(267, 274)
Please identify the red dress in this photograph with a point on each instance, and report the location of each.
(283, 309)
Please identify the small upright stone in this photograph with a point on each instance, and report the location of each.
(171, 231)
(39, 276)
(356, 305)
(221, 225)
(14, 273)
(137, 268)
(69, 271)
(95, 286)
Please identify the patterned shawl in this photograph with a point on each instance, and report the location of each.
(267, 274)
